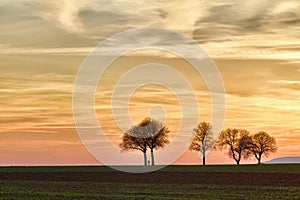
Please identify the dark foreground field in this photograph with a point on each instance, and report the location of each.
(174, 182)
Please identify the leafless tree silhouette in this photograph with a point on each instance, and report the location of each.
(262, 144)
(158, 135)
(237, 142)
(203, 140)
(149, 133)
(132, 143)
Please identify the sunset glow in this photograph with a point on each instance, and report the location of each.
(255, 45)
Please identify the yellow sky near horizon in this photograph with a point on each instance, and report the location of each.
(42, 46)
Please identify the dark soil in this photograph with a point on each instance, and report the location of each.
(215, 178)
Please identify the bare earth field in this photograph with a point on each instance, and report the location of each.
(174, 182)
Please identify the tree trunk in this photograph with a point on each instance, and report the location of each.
(145, 158)
(259, 159)
(239, 158)
(203, 156)
(152, 157)
(237, 161)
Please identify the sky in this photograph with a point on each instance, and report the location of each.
(255, 45)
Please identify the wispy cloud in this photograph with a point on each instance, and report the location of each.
(255, 44)
(47, 51)
(65, 13)
(249, 29)
(287, 82)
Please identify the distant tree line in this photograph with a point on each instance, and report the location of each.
(239, 143)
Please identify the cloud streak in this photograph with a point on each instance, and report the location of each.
(254, 43)
(249, 29)
(65, 13)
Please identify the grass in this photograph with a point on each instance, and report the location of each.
(41, 189)
(92, 190)
(268, 168)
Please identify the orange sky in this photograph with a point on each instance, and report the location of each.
(44, 44)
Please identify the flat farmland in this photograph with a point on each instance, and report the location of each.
(172, 182)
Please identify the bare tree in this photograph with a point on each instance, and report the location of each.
(157, 135)
(237, 141)
(202, 140)
(132, 143)
(262, 144)
(149, 133)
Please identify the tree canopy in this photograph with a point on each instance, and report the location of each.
(149, 133)
(152, 134)
(203, 140)
(237, 142)
(262, 144)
